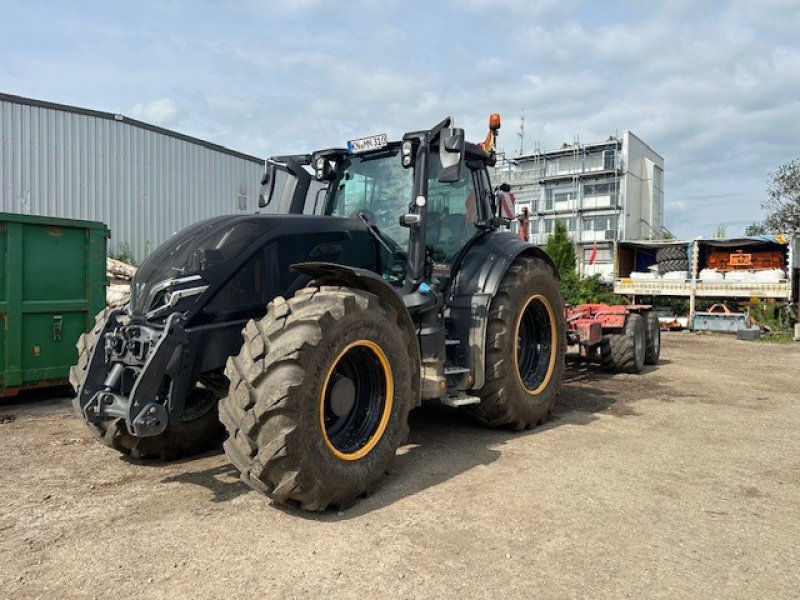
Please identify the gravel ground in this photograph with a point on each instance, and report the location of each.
(683, 482)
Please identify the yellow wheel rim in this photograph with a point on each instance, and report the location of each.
(530, 319)
(349, 419)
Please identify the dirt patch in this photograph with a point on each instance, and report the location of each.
(681, 482)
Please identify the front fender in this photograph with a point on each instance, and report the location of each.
(336, 274)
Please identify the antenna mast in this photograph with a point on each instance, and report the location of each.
(521, 132)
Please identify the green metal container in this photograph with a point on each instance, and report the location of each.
(52, 284)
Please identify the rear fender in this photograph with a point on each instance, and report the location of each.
(476, 281)
(362, 279)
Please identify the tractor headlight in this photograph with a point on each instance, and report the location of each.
(166, 296)
(407, 150)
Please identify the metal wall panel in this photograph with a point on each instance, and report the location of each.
(143, 183)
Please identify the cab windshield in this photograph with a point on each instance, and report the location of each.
(376, 185)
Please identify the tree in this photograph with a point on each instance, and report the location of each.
(783, 202)
(561, 249)
(574, 289)
(755, 228)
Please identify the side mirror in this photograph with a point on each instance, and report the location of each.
(266, 182)
(451, 155)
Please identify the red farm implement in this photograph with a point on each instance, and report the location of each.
(622, 338)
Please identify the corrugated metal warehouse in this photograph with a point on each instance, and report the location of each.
(143, 181)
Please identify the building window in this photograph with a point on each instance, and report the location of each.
(558, 194)
(606, 223)
(603, 255)
(599, 189)
(564, 196)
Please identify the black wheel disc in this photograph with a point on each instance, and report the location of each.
(535, 343)
(356, 400)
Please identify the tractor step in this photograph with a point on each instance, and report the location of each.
(460, 399)
(448, 371)
(451, 342)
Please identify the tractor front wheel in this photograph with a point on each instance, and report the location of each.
(319, 397)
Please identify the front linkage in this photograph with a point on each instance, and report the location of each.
(138, 373)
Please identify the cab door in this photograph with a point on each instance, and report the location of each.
(454, 210)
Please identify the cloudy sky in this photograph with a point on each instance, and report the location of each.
(714, 87)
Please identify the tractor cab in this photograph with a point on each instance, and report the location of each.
(424, 198)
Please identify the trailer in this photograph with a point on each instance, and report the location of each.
(763, 266)
(623, 338)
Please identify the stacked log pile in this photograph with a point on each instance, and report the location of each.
(119, 275)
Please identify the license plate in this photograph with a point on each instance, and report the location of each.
(375, 142)
(741, 259)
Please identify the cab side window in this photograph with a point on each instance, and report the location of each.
(452, 212)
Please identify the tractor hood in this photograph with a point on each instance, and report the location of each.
(198, 248)
(197, 261)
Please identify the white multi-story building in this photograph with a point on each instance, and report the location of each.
(603, 192)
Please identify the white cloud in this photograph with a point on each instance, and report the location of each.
(710, 86)
(163, 112)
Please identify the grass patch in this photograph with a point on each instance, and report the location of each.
(783, 337)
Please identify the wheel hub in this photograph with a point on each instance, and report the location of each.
(343, 396)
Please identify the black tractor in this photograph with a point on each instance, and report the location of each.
(381, 275)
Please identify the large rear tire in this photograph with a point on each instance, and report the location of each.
(200, 431)
(319, 397)
(525, 350)
(624, 352)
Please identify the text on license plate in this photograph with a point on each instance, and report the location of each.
(366, 144)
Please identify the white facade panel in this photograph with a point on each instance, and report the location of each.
(144, 182)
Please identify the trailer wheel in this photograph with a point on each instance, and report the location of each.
(319, 397)
(624, 352)
(199, 431)
(525, 349)
(653, 336)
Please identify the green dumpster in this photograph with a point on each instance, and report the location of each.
(52, 283)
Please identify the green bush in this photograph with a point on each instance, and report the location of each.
(575, 289)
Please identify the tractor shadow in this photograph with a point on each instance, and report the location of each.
(587, 391)
(221, 480)
(443, 444)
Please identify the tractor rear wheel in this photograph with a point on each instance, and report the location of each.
(199, 431)
(526, 341)
(319, 397)
(653, 335)
(624, 352)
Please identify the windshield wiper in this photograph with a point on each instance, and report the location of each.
(376, 233)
